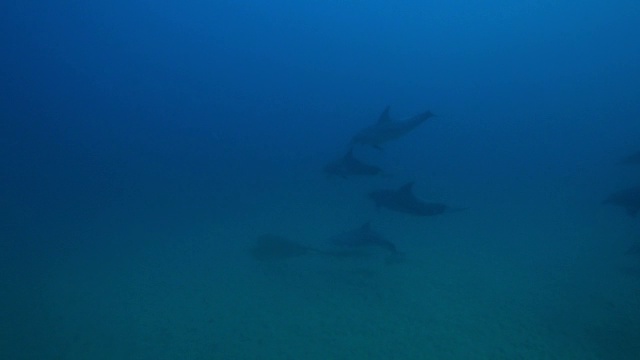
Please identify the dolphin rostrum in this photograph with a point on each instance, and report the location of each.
(385, 129)
(403, 200)
(348, 165)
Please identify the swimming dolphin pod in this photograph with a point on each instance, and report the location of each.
(355, 242)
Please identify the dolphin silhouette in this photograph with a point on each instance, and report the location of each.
(403, 200)
(348, 165)
(385, 129)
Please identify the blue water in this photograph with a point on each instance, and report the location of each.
(146, 145)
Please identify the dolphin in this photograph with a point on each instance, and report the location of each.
(385, 129)
(348, 165)
(362, 237)
(403, 200)
(629, 199)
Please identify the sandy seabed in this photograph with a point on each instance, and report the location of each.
(531, 275)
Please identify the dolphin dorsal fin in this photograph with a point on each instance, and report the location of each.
(406, 189)
(384, 117)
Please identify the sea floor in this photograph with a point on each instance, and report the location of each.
(536, 272)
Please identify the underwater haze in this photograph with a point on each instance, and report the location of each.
(220, 179)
